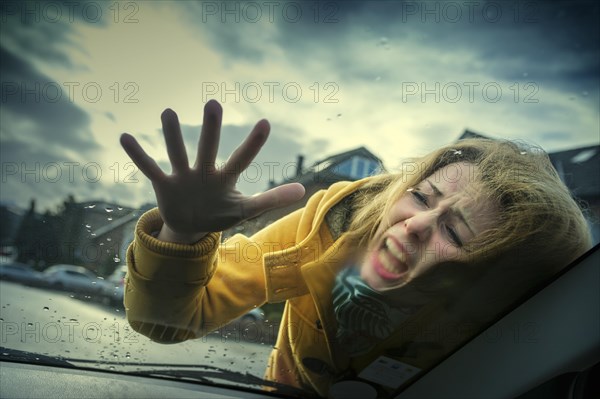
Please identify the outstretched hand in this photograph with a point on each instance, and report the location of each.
(202, 199)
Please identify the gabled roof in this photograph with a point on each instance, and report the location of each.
(338, 158)
(323, 172)
(116, 224)
(468, 134)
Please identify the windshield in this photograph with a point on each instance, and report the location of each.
(351, 90)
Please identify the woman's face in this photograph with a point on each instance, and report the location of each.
(428, 225)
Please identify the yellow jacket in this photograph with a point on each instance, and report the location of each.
(176, 292)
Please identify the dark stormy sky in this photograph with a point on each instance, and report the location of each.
(400, 78)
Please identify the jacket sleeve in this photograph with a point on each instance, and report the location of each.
(176, 292)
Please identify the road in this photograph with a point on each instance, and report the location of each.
(57, 324)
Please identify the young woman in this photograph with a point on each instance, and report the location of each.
(404, 265)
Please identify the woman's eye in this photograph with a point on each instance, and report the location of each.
(454, 236)
(419, 196)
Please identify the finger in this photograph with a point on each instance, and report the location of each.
(209, 137)
(276, 197)
(247, 151)
(174, 140)
(143, 161)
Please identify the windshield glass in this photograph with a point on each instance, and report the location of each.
(351, 90)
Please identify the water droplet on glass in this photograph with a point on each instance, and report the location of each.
(339, 115)
(108, 209)
(117, 259)
(88, 226)
(46, 308)
(108, 239)
(91, 206)
(120, 208)
(109, 218)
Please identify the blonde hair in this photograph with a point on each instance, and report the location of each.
(539, 229)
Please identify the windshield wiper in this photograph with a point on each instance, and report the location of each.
(196, 373)
(208, 375)
(16, 355)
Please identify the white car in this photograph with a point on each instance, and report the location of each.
(112, 289)
(73, 279)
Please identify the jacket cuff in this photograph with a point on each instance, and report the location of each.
(168, 261)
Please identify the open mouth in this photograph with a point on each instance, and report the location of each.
(390, 261)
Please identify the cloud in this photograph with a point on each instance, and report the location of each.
(32, 99)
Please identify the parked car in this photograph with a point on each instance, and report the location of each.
(250, 326)
(73, 278)
(21, 273)
(112, 289)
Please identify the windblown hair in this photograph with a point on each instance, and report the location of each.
(539, 228)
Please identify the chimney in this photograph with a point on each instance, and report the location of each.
(299, 165)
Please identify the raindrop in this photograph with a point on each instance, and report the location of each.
(88, 226)
(108, 209)
(109, 218)
(108, 239)
(127, 355)
(116, 259)
(91, 206)
(46, 308)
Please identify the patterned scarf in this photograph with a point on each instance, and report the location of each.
(365, 317)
